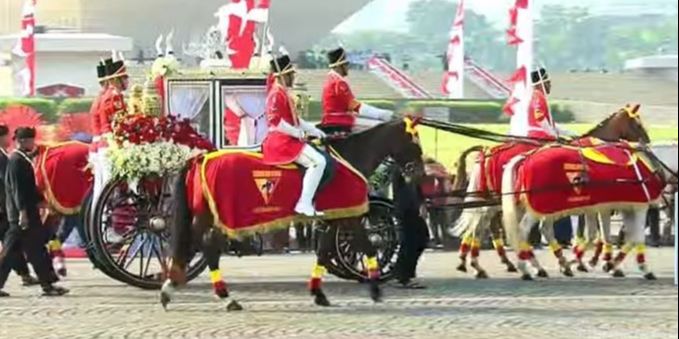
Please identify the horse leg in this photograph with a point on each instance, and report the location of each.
(526, 253)
(555, 247)
(54, 245)
(607, 241)
(637, 236)
(634, 224)
(364, 245)
(325, 246)
(213, 241)
(465, 247)
(585, 242)
(541, 272)
(476, 251)
(499, 242)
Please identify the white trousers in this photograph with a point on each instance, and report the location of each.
(315, 163)
(101, 173)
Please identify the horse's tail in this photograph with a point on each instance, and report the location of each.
(510, 213)
(181, 226)
(471, 219)
(461, 175)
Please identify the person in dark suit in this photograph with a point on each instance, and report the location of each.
(21, 267)
(25, 225)
(414, 231)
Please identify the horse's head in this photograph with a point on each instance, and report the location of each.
(404, 147)
(624, 124)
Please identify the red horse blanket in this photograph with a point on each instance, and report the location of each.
(557, 181)
(62, 175)
(246, 196)
(494, 162)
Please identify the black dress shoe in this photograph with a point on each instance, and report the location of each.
(3, 294)
(28, 280)
(54, 291)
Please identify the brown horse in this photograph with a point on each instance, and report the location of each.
(474, 221)
(364, 151)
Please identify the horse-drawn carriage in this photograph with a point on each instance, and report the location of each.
(128, 230)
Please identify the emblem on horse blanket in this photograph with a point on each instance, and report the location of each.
(63, 176)
(246, 196)
(557, 181)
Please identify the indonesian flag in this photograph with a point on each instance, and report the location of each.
(25, 48)
(238, 23)
(520, 34)
(453, 79)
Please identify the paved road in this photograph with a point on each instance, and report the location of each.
(272, 289)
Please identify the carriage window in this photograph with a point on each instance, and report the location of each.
(190, 101)
(244, 106)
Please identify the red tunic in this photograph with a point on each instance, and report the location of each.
(94, 113)
(280, 148)
(540, 122)
(339, 104)
(112, 104)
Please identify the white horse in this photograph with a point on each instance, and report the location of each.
(518, 222)
(666, 154)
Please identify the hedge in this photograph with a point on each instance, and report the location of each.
(44, 106)
(75, 105)
(458, 111)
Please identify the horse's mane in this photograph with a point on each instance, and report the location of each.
(601, 124)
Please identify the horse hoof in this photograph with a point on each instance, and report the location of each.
(321, 300)
(618, 274)
(593, 263)
(567, 272)
(165, 300)
(481, 275)
(462, 268)
(542, 273)
(526, 277)
(234, 306)
(582, 268)
(375, 292)
(62, 272)
(607, 267)
(650, 276)
(511, 268)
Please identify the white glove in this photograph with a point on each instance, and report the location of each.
(311, 129)
(290, 130)
(372, 112)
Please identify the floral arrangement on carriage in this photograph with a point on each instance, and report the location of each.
(153, 146)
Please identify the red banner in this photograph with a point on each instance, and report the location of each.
(248, 196)
(558, 181)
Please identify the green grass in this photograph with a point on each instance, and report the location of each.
(446, 147)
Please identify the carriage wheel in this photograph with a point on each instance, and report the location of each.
(334, 266)
(382, 232)
(92, 254)
(130, 233)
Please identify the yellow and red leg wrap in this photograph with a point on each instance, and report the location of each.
(579, 248)
(623, 253)
(476, 248)
(373, 268)
(525, 251)
(555, 247)
(54, 248)
(218, 284)
(499, 246)
(465, 246)
(641, 254)
(598, 248)
(608, 252)
(316, 277)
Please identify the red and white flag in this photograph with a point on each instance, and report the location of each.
(453, 79)
(520, 34)
(25, 48)
(238, 23)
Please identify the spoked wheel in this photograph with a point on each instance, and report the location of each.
(334, 266)
(130, 232)
(383, 234)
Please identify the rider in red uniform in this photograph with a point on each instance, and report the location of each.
(541, 124)
(94, 109)
(340, 107)
(286, 141)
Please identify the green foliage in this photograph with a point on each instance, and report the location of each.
(79, 105)
(46, 107)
